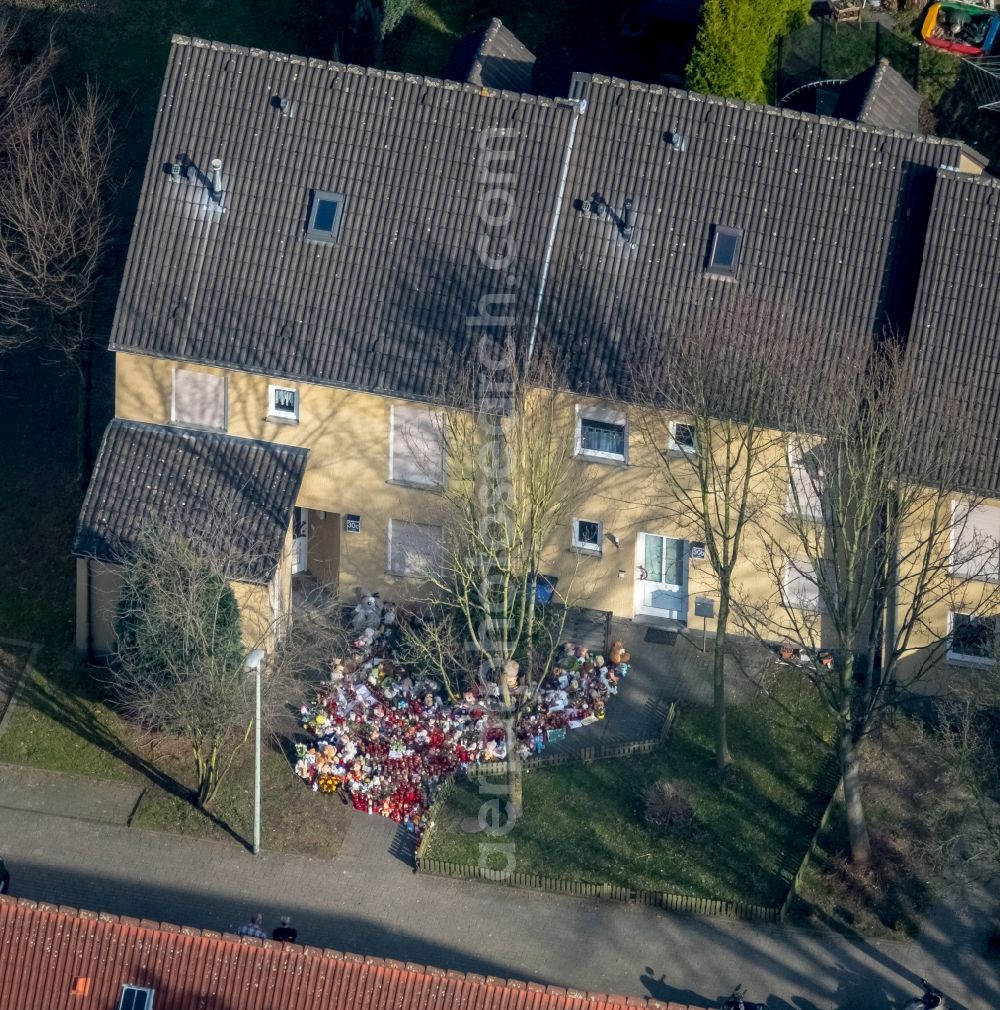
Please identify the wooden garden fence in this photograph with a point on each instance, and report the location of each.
(585, 755)
(743, 910)
(607, 892)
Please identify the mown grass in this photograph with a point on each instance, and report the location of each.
(751, 826)
(293, 818)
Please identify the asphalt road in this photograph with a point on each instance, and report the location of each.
(369, 901)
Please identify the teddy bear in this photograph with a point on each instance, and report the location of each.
(619, 654)
(368, 612)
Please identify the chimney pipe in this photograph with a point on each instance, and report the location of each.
(627, 226)
(216, 169)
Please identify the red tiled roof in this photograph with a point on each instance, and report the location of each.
(45, 950)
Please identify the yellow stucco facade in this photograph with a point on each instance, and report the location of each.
(348, 434)
(349, 473)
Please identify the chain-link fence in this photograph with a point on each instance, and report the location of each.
(825, 50)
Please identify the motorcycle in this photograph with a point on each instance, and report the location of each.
(932, 999)
(738, 1002)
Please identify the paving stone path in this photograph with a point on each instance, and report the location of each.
(368, 900)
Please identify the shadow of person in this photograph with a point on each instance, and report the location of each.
(660, 989)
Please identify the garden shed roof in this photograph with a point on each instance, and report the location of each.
(194, 481)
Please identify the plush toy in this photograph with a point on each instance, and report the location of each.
(368, 612)
(618, 654)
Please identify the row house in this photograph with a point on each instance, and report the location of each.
(320, 251)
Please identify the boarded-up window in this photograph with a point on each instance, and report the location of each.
(801, 587)
(414, 548)
(805, 481)
(976, 540)
(416, 450)
(199, 399)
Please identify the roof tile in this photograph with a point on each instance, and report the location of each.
(146, 470)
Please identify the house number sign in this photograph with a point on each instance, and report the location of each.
(352, 524)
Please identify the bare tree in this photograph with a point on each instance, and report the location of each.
(55, 155)
(860, 544)
(706, 412)
(507, 491)
(181, 660)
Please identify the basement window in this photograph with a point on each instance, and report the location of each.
(724, 251)
(973, 639)
(282, 403)
(587, 536)
(135, 998)
(326, 211)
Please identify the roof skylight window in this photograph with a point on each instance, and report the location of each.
(136, 997)
(326, 211)
(724, 251)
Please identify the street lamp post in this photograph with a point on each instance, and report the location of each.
(254, 661)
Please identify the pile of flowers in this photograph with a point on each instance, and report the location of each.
(387, 741)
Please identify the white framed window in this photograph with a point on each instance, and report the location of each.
(975, 541)
(283, 402)
(198, 399)
(415, 549)
(801, 587)
(971, 640)
(416, 446)
(136, 997)
(587, 535)
(805, 481)
(601, 434)
(682, 437)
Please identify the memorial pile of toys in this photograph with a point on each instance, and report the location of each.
(386, 741)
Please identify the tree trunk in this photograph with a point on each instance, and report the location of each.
(515, 770)
(719, 677)
(857, 827)
(84, 361)
(208, 778)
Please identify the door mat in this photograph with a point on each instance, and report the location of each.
(660, 636)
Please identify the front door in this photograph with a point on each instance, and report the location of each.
(661, 583)
(300, 540)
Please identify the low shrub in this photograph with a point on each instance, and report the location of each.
(668, 805)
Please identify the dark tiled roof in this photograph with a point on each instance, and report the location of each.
(494, 57)
(880, 96)
(832, 215)
(954, 337)
(385, 307)
(47, 951)
(145, 471)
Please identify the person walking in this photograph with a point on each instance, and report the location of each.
(284, 933)
(255, 927)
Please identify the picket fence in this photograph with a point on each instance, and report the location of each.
(607, 892)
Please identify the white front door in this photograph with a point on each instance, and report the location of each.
(661, 577)
(300, 540)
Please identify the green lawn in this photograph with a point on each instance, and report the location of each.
(751, 826)
(293, 818)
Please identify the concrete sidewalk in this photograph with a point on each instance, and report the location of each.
(368, 900)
